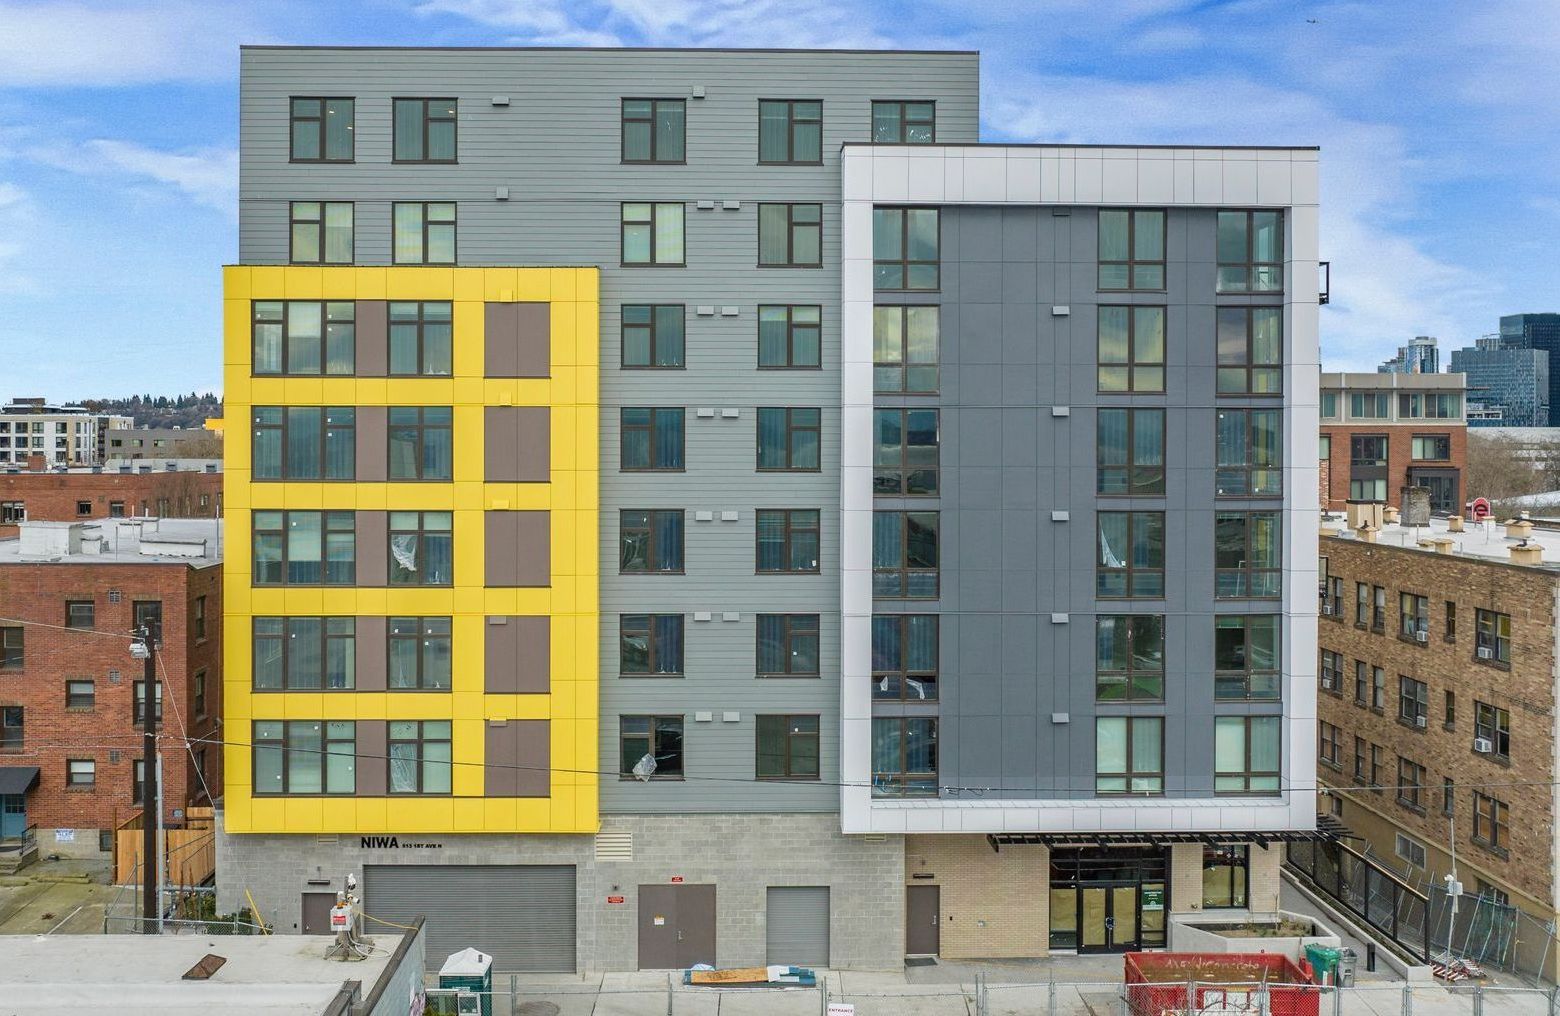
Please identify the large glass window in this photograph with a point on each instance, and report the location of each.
(650, 645)
(1129, 755)
(655, 130)
(420, 757)
(1428, 406)
(652, 233)
(790, 235)
(421, 549)
(1491, 822)
(321, 233)
(904, 555)
(789, 335)
(424, 232)
(1251, 252)
(1250, 453)
(787, 540)
(905, 248)
(653, 335)
(1431, 447)
(787, 747)
(900, 122)
(304, 443)
(1492, 636)
(418, 653)
(904, 756)
(650, 541)
(1251, 351)
(304, 548)
(304, 336)
(1130, 452)
(305, 757)
(1129, 658)
(788, 439)
(790, 132)
(425, 130)
(1245, 658)
(1131, 249)
(1414, 616)
(1225, 870)
(421, 442)
(651, 439)
(1131, 349)
(904, 452)
(905, 344)
(788, 645)
(421, 336)
(1246, 555)
(1246, 754)
(304, 653)
(1413, 701)
(653, 743)
(904, 657)
(1131, 561)
(320, 129)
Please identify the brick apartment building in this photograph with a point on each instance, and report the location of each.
(1384, 432)
(191, 490)
(1437, 712)
(70, 693)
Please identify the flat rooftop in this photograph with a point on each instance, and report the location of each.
(195, 542)
(1404, 382)
(142, 975)
(1486, 540)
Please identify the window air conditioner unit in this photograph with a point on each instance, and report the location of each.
(1484, 653)
(1483, 745)
(1420, 721)
(1422, 636)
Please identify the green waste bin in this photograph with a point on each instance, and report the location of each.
(1323, 960)
(472, 970)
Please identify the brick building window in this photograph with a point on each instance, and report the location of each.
(1493, 724)
(12, 726)
(11, 655)
(1410, 783)
(83, 509)
(787, 747)
(198, 622)
(198, 693)
(650, 645)
(1332, 603)
(80, 694)
(905, 656)
(1414, 617)
(1129, 658)
(147, 614)
(1377, 767)
(80, 772)
(80, 614)
(1491, 822)
(1450, 720)
(1378, 689)
(1330, 744)
(1361, 683)
(1413, 702)
(1359, 760)
(788, 645)
(1361, 604)
(1448, 796)
(1378, 609)
(1451, 620)
(1331, 671)
(1492, 636)
(138, 706)
(1431, 447)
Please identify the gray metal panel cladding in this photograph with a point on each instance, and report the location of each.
(556, 146)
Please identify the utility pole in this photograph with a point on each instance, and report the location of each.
(146, 649)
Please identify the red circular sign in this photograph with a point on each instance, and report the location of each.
(1481, 509)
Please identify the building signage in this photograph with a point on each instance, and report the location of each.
(842, 1009)
(1153, 898)
(1481, 509)
(677, 880)
(617, 899)
(396, 843)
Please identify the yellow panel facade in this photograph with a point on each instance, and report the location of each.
(570, 601)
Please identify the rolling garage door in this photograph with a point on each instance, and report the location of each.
(798, 925)
(522, 915)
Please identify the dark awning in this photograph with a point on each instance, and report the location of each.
(1327, 828)
(18, 779)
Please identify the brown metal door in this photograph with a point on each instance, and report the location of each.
(921, 920)
(658, 927)
(695, 925)
(316, 913)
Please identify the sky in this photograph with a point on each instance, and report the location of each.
(1436, 120)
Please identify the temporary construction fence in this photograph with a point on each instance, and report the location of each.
(1198, 982)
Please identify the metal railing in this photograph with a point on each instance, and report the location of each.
(1364, 888)
(26, 843)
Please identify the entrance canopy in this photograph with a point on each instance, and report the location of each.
(17, 779)
(1327, 828)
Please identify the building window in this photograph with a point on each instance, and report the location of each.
(80, 614)
(790, 132)
(1492, 636)
(1359, 760)
(897, 122)
(788, 439)
(420, 757)
(652, 336)
(147, 614)
(1251, 351)
(1448, 797)
(421, 443)
(1368, 450)
(304, 443)
(1410, 784)
(905, 343)
(11, 656)
(1251, 252)
(12, 723)
(1131, 249)
(1493, 724)
(83, 509)
(1250, 453)
(80, 772)
(1409, 850)
(305, 337)
(1324, 447)
(790, 235)
(418, 655)
(1378, 689)
(321, 233)
(1431, 447)
(1488, 892)
(1130, 452)
(1333, 603)
(305, 757)
(650, 541)
(651, 440)
(1413, 701)
(904, 555)
(1247, 551)
(304, 653)
(198, 622)
(421, 338)
(1225, 876)
(1330, 740)
(1246, 754)
(1449, 709)
(424, 232)
(1361, 604)
(198, 693)
(1369, 406)
(304, 548)
(651, 746)
(652, 234)
(116, 509)
(12, 512)
(1429, 406)
(1332, 672)
(321, 129)
(80, 694)
(905, 452)
(1376, 767)
(787, 747)
(1245, 658)
(138, 703)
(655, 130)
(788, 645)
(904, 657)
(905, 248)
(1129, 756)
(650, 645)
(1131, 555)
(1131, 349)
(1491, 818)
(787, 540)
(904, 756)
(1414, 617)
(421, 552)
(1129, 658)
(425, 130)
(789, 336)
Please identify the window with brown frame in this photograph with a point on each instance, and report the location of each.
(906, 248)
(650, 541)
(1251, 351)
(652, 336)
(650, 645)
(789, 336)
(655, 130)
(904, 555)
(1130, 349)
(320, 232)
(423, 232)
(659, 737)
(320, 128)
(905, 657)
(904, 122)
(652, 234)
(905, 452)
(788, 645)
(789, 439)
(790, 132)
(905, 351)
(1129, 658)
(1491, 822)
(1129, 452)
(787, 747)
(787, 540)
(790, 235)
(1131, 249)
(425, 130)
(650, 439)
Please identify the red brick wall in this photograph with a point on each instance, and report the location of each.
(53, 497)
(53, 734)
(1335, 468)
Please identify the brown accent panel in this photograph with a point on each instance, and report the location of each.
(519, 759)
(369, 648)
(373, 440)
(499, 755)
(371, 331)
(518, 444)
(373, 548)
(519, 656)
(517, 339)
(518, 548)
(373, 766)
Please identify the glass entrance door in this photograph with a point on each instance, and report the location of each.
(1107, 918)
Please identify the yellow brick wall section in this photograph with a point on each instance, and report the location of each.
(1262, 887)
(993, 905)
(1186, 888)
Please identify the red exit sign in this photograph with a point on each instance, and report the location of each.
(677, 880)
(617, 899)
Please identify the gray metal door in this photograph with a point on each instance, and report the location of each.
(797, 926)
(676, 926)
(522, 915)
(922, 922)
(695, 925)
(316, 913)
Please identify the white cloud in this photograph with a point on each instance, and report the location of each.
(207, 176)
(17, 219)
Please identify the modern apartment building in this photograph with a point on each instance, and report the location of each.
(1542, 332)
(1384, 432)
(678, 458)
(61, 435)
(1437, 712)
(1507, 386)
(1420, 356)
(161, 443)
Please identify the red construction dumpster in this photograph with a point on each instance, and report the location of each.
(1227, 984)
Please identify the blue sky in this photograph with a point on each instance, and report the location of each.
(1440, 181)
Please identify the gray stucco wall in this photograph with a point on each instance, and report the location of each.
(1008, 462)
